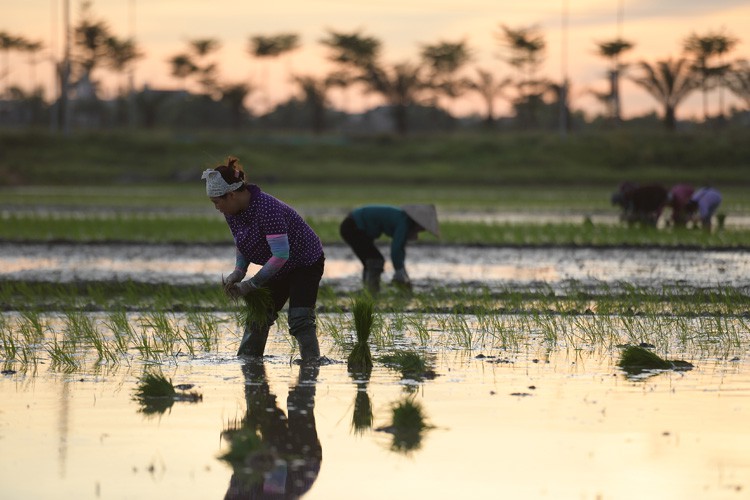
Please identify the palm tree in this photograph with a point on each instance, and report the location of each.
(612, 50)
(490, 88)
(738, 81)
(206, 70)
(272, 47)
(182, 67)
(445, 59)
(669, 82)
(8, 42)
(194, 63)
(90, 40)
(353, 53)
(400, 86)
(352, 49)
(315, 91)
(233, 96)
(704, 49)
(121, 54)
(524, 51)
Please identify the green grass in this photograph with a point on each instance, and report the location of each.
(201, 229)
(604, 158)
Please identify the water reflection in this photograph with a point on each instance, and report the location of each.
(431, 263)
(408, 425)
(362, 415)
(274, 455)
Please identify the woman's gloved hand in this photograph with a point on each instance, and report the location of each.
(234, 277)
(237, 290)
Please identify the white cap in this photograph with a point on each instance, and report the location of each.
(216, 185)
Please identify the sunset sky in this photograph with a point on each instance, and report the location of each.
(162, 28)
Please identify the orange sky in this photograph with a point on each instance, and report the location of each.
(162, 27)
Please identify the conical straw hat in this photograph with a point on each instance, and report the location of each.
(425, 216)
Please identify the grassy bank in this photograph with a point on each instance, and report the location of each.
(148, 228)
(602, 159)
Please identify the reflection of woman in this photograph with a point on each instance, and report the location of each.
(365, 224)
(274, 455)
(271, 234)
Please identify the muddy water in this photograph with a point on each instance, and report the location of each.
(541, 423)
(427, 265)
(546, 419)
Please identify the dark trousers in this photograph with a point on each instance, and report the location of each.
(363, 246)
(299, 286)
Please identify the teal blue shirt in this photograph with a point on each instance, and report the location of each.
(377, 220)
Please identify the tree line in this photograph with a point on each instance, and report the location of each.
(443, 73)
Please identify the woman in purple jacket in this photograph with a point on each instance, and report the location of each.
(269, 233)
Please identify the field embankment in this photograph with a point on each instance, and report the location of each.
(583, 159)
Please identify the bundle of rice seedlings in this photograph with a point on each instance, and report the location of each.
(411, 364)
(154, 385)
(635, 359)
(360, 359)
(156, 394)
(257, 305)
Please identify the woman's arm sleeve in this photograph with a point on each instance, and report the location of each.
(279, 244)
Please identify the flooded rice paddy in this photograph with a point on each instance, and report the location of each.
(510, 405)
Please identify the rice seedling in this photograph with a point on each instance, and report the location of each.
(165, 333)
(122, 333)
(8, 341)
(145, 346)
(32, 327)
(417, 324)
(360, 358)
(61, 356)
(258, 303)
(330, 325)
(204, 327)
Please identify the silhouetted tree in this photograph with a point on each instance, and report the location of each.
(315, 95)
(8, 43)
(490, 89)
(400, 85)
(195, 63)
(738, 81)
(669, 82)
(523, 49)
(352, 53)
(272, 47)
(445, 60)
(612, 50)
(233, 96)
(705, 50)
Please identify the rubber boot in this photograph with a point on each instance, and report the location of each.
(371, 275)
(254, 339)
(303, 327)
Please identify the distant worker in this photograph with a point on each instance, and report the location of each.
(703, 205)
(678, 199)
(640, 204)
(365, 224)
